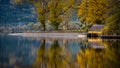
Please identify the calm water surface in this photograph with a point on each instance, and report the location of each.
(22, 52)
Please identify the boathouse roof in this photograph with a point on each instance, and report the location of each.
(96, 27)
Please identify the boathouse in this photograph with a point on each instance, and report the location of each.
(95, 30)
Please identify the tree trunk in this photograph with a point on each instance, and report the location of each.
(44, 27)
(56, 27)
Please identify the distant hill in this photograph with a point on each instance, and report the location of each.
(10, 13)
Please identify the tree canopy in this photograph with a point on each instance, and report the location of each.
(93, 11)
(58, 9)
(113, 22)
(52, 10)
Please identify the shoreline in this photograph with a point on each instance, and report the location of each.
(51, 35)
(75, 35)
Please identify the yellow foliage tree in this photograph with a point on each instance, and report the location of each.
(58, 9)
(93, 11)
(42, 10)
(113, 20)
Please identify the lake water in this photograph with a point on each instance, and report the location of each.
(33, 52)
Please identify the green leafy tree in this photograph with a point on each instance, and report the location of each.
(36, 26)
(30, 25)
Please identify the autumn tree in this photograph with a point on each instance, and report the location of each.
(54, 17)
(58, 9)
(113, 20)
(42, 10)
(69, 14)
(93, 11)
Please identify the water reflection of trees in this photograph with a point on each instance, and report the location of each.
(41, 60)
(101, 58)
(53, 57)
(113, 52)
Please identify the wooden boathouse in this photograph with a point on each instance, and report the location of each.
(95, 30)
